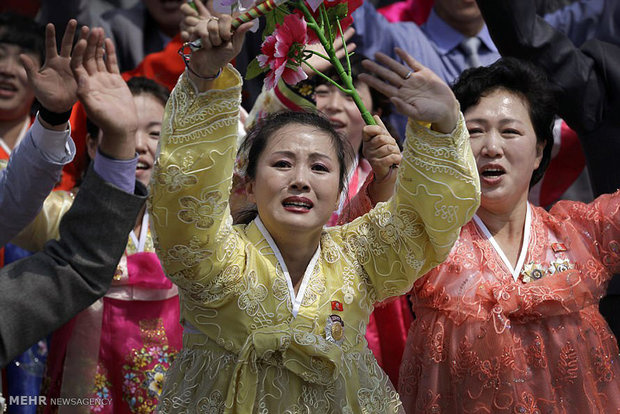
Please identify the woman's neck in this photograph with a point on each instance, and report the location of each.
(297, 251)
(138, 226)
(507, 228)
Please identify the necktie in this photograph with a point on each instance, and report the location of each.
(470, 47)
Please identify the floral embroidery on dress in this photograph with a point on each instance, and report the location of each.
(225, 284)
(612, 255)
(189, 255)
(144, 369)
(175, 179)
(201, 211)
(527, 405)
(567, 367)
(253, 293)
(329, 250)
(536, 354)
(315, 288)
(102, 388)
(602, 364)
(213, 404)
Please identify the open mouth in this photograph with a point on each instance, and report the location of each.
(142, 166)
(297, 204)
(7, 88)
(491, 173)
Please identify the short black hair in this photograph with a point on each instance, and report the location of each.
(138, 85)
(24, 32)
(521, 78)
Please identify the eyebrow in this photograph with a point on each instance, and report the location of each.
(313, 155)
(502, 121)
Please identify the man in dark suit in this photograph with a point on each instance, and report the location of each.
(42, 292)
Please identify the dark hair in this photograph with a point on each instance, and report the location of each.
(523, 79)
(379, 100)
(257, 138)
(138, 85)
(24, 32)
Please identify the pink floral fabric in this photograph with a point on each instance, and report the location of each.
(485, 343)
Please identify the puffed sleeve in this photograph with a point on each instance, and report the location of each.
(191, 221)
(437, 192)
(597, 224)
(46, 224)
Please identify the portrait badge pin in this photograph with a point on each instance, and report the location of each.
(334, 329)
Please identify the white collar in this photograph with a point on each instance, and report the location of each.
(526, 242)
(295, 300)
(140, 242)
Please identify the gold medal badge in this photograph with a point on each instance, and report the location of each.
(334, 329)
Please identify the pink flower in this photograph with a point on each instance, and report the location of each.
(283, 50)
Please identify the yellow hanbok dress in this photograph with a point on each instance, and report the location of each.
(251, 345)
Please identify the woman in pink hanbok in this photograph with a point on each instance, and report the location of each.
(118, 349)
(509, 323)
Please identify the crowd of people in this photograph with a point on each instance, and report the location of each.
(178, 239)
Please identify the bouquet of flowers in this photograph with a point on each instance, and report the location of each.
(291, 25)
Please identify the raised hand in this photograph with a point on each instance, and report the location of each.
(219, 43)
(53, 83)
(104, 94)
(415, 90)
(383, 154)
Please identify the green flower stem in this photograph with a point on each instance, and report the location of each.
(321, 74)
(347, 79)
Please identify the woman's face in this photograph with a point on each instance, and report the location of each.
(342, 111)
(504, 145)
(296, 186)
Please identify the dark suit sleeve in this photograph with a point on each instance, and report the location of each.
(44, 291)
(517, 31)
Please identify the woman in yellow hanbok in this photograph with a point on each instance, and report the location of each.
(274, 312)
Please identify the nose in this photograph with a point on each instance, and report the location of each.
(9, 63)
(492, 145)
(331, 102)
(141, 142)
(299, 180)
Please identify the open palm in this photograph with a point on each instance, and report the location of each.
(53, 84)
(100, 87)
(415, 90)
(425, 97)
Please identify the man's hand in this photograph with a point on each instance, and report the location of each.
(53, 84)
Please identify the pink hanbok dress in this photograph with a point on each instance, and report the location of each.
(118, 349)
(490, 338)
